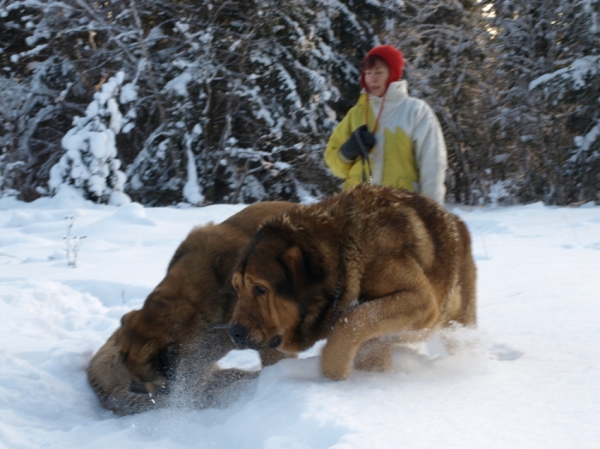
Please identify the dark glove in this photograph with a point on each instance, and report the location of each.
(360, 142)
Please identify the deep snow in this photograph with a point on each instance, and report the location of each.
(528, 377)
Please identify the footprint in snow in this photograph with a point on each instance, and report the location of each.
(505, 353)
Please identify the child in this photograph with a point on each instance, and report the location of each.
(388, 137)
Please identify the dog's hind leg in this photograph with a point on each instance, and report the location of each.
(467, 281)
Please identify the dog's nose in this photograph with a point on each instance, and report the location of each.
(239, 335)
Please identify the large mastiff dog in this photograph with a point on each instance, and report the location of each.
(364, 268)
(168, 348)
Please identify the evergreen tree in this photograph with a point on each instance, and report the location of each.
(90, 163)
(575, 90)
(534, 40)
(40, 93)
(571, 93)
(260, 82)
(447, 65)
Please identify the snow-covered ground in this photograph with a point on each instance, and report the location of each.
(528, 377)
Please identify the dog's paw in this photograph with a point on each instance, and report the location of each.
(335, 364)
(334, 372)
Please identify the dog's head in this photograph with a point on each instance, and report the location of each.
(276, 278)
(149, 340)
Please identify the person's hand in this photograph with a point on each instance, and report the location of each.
(360, 142)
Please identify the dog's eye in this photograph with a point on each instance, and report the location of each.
(259, 290)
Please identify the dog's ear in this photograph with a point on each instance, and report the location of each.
(315, 263)
(305, 264)
(293, 267)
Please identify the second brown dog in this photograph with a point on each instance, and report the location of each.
(181, 330)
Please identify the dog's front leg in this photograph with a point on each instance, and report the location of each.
(390, 315)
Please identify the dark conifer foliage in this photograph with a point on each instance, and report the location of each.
(246, 90)
(447, 65)
(547, 69)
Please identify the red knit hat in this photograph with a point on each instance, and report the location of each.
(392, 57)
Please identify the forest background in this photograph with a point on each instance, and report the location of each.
(199, 102)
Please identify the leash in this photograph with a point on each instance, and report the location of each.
(368, 109)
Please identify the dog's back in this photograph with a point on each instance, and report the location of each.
(378, 227)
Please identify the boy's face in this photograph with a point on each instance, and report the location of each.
(376, 78)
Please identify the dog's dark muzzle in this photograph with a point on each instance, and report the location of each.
(275, 342)
(240, 335)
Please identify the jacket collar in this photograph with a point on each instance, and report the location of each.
(397, 90)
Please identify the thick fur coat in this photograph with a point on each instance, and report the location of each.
(174, 340)
(364, 269)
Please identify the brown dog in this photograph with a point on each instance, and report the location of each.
(364, 268)
(182, 328)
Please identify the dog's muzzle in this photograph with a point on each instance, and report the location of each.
(240, 335)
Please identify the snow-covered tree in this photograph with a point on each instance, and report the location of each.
(40, 93)
(252, 93)
(576, 88)
(90, 162)
(33, 117)
(535, 40)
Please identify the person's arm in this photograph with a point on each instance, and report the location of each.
(333, 158)
(430, 153)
